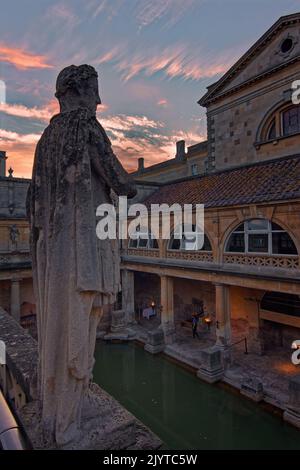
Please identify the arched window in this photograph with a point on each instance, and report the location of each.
(260, 236)
(291, 120)
(188, 241)
(282, 122)
(271, 134)
(144, 240)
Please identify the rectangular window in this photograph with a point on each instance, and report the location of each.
(258, 243)
(291, 120)
(194, 169)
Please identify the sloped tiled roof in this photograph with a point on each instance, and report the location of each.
(275, 180)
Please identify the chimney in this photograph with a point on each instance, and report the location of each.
(141, 164)
(180, 150)
(3, 158)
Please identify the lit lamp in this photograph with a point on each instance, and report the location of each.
(208, 321)
(153, 305)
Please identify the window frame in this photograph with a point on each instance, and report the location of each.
(148, 242)
(269, 232)
(181, 240)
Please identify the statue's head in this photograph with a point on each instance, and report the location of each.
(77, 87)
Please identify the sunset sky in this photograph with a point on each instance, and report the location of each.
(154, 58)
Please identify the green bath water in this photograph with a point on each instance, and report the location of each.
(182, 411)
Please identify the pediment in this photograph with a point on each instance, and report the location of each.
(279, 46)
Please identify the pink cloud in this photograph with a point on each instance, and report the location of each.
(176, 61)
(22, 59)
(163, 102)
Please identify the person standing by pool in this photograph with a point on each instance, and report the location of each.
(195, 321)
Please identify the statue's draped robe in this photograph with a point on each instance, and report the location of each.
(74, 170)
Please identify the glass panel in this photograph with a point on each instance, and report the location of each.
(282, 244)
(272, 131)
(236, 243)
(276, 226)
(206, 244)
(153, 243)
(143, 242)
(175, 244)
(258, 243)
(291, 120)
(258, 224)
(132, 243)
(240, 228)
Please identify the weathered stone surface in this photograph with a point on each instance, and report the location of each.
(253, 389)
(155, 341)
(211, 369)
(21, 353)
(75, 170)
(105, 424)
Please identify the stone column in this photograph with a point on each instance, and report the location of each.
(167, 308)
(255, 336)
(15, 299)
(223, 322)
(128, 295)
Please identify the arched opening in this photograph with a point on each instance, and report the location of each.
(284, 121)
(143, 240)
(260, 236)
(189, 240)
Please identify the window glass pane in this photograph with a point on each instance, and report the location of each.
(175, 244)
(236, 243)
(258, 224)
(132, 243)
(258, 243)
(240, 228)
(272, 131)
(206, 244)
(153, 243)
(143, 242)
(283, 244)
(291, 120)
(276, 226)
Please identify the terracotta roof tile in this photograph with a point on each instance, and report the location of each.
(274, 180)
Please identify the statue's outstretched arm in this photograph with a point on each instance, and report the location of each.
(107, 166)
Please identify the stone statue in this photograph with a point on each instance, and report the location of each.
(74, 272)
(14, 234)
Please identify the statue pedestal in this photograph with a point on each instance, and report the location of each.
(252, 388)
(105, 425)
(155, 342)
(118, 329)
(292, 413)
(211, 369)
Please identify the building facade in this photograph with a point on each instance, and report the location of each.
(247, 275)
(16, 292)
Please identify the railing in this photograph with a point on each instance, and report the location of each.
(284, 262)
(202, 256)
(243, 340)
(152, 252)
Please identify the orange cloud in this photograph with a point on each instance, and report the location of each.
(131, 136)
(22, 59)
